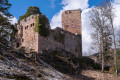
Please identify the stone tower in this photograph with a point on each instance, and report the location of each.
(26, 36)
(71, 21)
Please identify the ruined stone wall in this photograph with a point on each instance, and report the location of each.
(29, 38)
(49, 42)
(71, 42)
(71, 21)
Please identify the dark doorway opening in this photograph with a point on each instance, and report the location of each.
(17, 45)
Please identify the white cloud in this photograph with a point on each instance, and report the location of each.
(117, 1)
(117, 15)
(13, 20)
(70, 5)
(56, 20)
(74, 4)
(86, 30)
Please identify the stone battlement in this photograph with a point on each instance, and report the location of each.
(67, 39)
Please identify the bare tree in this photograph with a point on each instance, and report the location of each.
(96, 45)
(110, 14)
(102, 20)
(101, 26)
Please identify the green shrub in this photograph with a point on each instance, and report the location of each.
(112, 70)
(19, 77)
(85, 62)
(21, 49)
(40, 26)
(39, 75)
(59, 53)
(1, 58)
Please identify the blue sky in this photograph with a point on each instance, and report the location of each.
(47, 7)
(19, 7)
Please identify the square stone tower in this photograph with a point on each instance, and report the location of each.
(71, 21)
(26, 36)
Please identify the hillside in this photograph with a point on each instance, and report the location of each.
(109, 60)
(49, 65)
(20, 66)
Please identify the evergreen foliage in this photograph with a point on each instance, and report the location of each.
(31, 10)
(37, 24)
(4, 6)
(7, 30)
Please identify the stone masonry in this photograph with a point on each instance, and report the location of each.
(71, 41)
(71, 21)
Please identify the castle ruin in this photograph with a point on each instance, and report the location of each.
(68, 38)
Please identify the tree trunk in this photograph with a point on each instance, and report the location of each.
(102, 50)
(102, 62)
(115, 50)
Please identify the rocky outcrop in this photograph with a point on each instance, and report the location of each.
(19, 65)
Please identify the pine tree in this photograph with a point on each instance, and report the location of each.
(7, 30)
